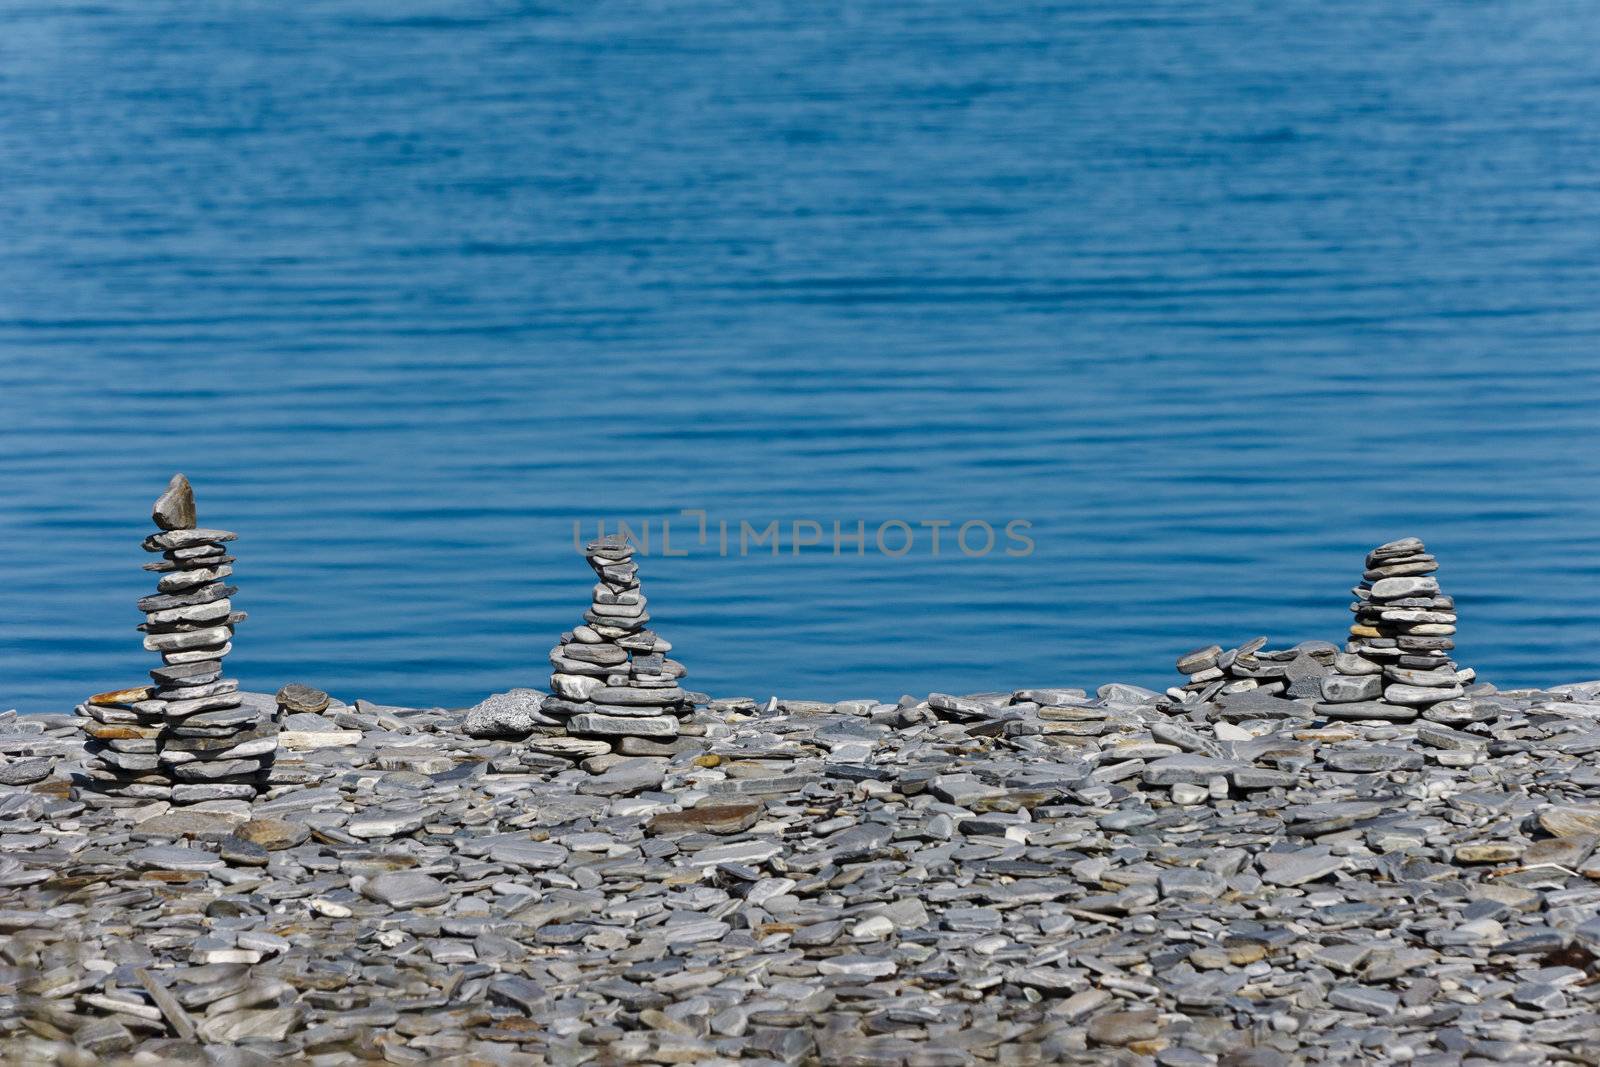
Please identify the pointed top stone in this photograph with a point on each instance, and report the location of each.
(174, 509)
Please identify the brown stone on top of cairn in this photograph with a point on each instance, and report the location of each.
(174, 509)
(1399, 647)
(611, 677)
(189, 737)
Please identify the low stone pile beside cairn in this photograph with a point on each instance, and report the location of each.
(1395, 665)
(190, 737)
(1400, 643)
(612, 679)
(1292, 672)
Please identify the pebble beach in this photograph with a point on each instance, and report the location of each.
(1039, 876)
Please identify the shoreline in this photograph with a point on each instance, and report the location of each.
(1041, 876)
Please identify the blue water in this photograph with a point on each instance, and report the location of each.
(1215, 296)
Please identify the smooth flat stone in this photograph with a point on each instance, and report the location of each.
(627, 777)
(1318, 819)
(178, 581)
(204, 595)
(1298, 868)
(257, 1024)
(225, 718)
(208, 612)
(273, 834)
(188, 708)
(1200, 659)
(213, 770)
(1417, 615)
(1120, 1028)
(1188, 768)
(521, 851)
(623, 726)
(382, 824)
(1368, 999)
(708, 819)
(406, 889)
(1371, 760)
(237, 852)
(1367, 710)
(1488, 852)
(175, 858)
(1345, 689)
(569, 747)
(190, 823)
(26, 771)
(316, 740)
(630, 697)
(121, 696)
(197, 691)
(197, 792)
(1398, 693)
(628, 711)
(1442, 677)
(1395, 588)
(577, 687)
(184, 538)
(1404, 546)
(745, 852)
(197, 655)
(1570, 820)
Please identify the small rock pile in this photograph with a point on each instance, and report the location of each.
(1399, 647)
(189, 738)
(612, 679)
(1294, 672)
(1395, 666)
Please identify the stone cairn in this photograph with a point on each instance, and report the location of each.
(1399, 647)
(611, 677)
(189, 738)
(1395, 664)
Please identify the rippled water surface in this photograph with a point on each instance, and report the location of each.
(1215, 296)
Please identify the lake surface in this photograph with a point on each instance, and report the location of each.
(1214, 296)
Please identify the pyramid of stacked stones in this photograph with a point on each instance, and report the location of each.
(1399, 647)
(611, 678)
(189, 737)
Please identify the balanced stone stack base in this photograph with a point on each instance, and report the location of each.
(189, 737)
(611, 677)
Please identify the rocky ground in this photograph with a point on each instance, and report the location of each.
(1044, 876)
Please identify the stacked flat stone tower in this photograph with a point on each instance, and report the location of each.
(189, 737)
(1404, 631)
(611, 677)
